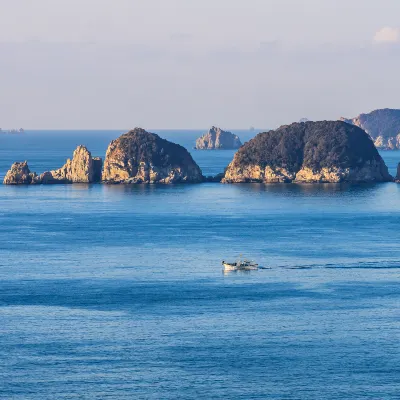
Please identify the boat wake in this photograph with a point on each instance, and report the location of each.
(382, 264)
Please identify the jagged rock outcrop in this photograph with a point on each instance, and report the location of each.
(398, 174)
(326, 151)
(216, 138)
(382, 125)
(81, 169)
(142, 157)
(20, 174)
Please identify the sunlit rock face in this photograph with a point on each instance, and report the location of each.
(217, 139)
(20, 174)
(81, 169)
(143, 157)
(382, 125)
(326, 151)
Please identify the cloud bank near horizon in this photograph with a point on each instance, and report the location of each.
(173, 65)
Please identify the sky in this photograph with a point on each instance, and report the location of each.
(191, 64)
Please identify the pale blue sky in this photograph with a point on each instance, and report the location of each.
(195, 63)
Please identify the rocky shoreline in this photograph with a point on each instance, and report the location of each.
(308, 152)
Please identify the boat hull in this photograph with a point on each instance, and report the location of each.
(231, 267)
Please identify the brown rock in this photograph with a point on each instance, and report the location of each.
(325, 151)
(20, 174)
(81, 169)
(142, 157)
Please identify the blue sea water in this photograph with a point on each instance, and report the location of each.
(116, 292)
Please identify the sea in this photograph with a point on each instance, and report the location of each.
(117, 292)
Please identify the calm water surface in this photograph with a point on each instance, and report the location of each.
(116, 292)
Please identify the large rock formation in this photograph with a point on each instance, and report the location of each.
(216, 138)
(382, 125)
(81, 169)
(398, 174)
(142, 157)
(327, 151)
(20, 174)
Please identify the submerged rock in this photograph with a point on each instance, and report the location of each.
(81, 169)
(143, 157)
(326, 151)
(216, 138)
(382, 125)
(20, 174)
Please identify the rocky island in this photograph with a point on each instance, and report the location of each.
(20, 174)
(83, 168)
(216, 138)
(143, 157)
(382, 125)
(326, 151)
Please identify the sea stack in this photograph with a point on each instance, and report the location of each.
(216, 138)
(382, 125)
(143, 157)
(83, 168)
(326, 151)
(20, 174)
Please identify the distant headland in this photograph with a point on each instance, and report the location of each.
(11, 131)
(382, 125)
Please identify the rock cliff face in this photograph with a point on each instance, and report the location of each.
(81, 169)
(20, 174)
(216, 138)
(142, 157)
(326, 151)
(382, 125)
(398, 174)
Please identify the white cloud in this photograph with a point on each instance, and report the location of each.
(387, 35)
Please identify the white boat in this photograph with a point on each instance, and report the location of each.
(240, 265)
